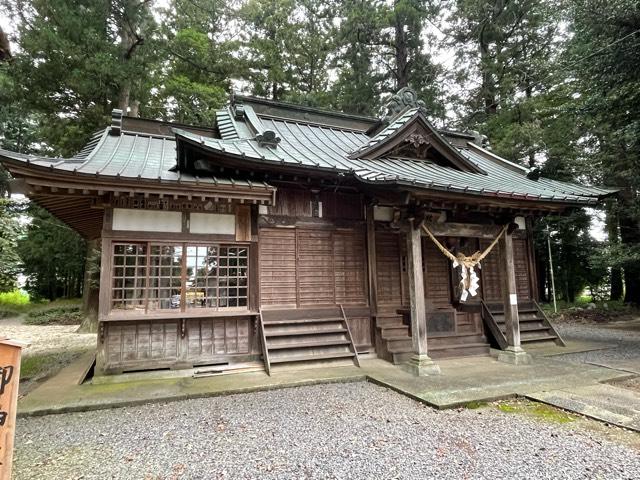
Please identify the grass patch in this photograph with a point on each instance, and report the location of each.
(14, 298)
(37, 367)
(537, 410)
(56, 313)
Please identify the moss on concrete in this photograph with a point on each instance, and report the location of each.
(536, 410)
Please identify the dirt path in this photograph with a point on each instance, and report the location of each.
(47, 338)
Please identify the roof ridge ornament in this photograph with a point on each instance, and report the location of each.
(402, 100)
(116, 122)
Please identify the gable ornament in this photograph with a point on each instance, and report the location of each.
(417, 139)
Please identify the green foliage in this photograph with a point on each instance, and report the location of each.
(55, 315)
(53, 257)
(77, 61)
(14, 298)
(10, 232)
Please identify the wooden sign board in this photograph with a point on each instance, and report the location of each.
(9, 381)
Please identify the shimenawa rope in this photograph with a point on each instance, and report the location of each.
(469, 281)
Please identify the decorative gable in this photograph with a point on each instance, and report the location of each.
(411, 135)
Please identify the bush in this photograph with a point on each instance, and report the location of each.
(56, 315)
(6, 312)
(14, 298)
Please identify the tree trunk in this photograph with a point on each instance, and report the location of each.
(90, 290)
(617, 288)
(402, 55)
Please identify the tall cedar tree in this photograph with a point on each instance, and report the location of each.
(77, 61)
(605, 56)
(199, 61)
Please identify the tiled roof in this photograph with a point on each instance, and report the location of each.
(126, 156)
(138, 156)
(327, 148)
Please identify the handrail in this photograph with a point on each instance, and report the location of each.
(493, 326)
(346, 322)
(547, 323)
(265, 351)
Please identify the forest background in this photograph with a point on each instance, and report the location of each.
(553, 84)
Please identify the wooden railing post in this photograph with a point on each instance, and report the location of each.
(513, 353)
(419, 364)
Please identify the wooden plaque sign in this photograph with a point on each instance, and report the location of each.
(9, 380)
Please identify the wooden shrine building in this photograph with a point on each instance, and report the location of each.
(286, 235)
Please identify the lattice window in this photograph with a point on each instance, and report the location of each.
(129, 276)
(147, 277)
(165, 277)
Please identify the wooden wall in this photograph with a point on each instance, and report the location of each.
(306, 261)
(152, 344)
(302, 267)
(490, 273)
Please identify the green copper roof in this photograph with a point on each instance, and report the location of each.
(308, 146)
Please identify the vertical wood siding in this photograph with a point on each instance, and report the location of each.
(437, 279)
(521, 266)
(388, 268)
(131, 343)
(303, 267)
(278, 285)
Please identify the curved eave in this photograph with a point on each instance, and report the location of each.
(210, 187)
(570, 200)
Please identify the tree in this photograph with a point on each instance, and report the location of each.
(511, 48)
(358, 85)
(288, 47)
(53, 257)
(605, 53)
(77, 61)
(200, 61)
(10, 232)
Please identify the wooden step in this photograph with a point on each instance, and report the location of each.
(395, 332)
(318, 343)
(304, 358)
(302, 321)
(286, 333)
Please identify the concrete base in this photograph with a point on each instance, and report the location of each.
(514, 356)
(421, 366)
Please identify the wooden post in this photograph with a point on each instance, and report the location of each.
(371, 261)
(513, 353)
(419, 364)
(9, 382)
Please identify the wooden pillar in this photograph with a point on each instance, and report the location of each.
(419, 364)
(514, 352)
(371, 261)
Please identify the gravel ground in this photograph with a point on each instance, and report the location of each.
(329, 431)
(625, 335)
(46, 338)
